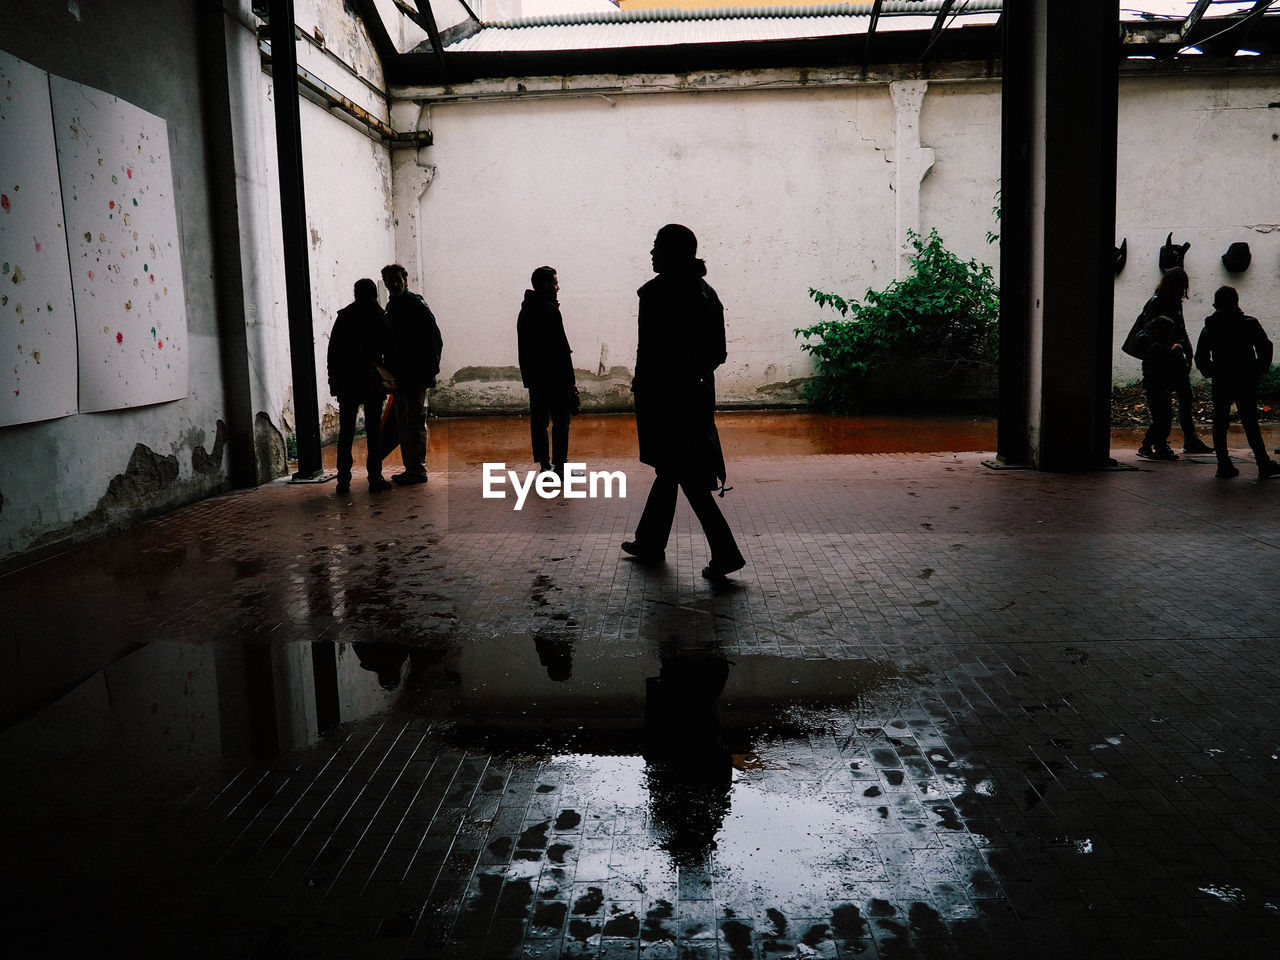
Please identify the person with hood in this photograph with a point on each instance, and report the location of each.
(357, 348)
(681, 341)
(1234, 351)
(546, 368)
(414, 359)
(1166, 301)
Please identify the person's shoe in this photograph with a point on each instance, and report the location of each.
(643, 554)
(343, 488)
(1165, 452)
(544, 466)
(378, 484)
(718, 570)
(1196, 445)
(409, 479)
(1268, 470)
(1226, 471)
(1146, 453)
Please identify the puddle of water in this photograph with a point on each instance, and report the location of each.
(792, 791)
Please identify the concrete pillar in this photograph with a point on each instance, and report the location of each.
(412, 174)
(218, 53)
(1057, 238)
(912, 163)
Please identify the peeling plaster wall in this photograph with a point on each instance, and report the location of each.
(1198, 156)
(347, 179)
(77, 476)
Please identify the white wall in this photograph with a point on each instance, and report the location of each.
(347, 179)
(1198, 156)
(785, 190)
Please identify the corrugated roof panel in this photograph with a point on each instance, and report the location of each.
(604, 32)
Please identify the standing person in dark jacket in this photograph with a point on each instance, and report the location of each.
(681, 342)
(546, 367)
(415, 361)
(357, 347)
(1162, 366)
(1173, 288)
(1233, 351)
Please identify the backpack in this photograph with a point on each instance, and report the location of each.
(1130, 345)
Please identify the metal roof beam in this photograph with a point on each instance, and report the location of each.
(1241, 31)
(871, 29)
(1198, 11)
(939, 24)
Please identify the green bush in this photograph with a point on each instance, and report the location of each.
(943, 317)
(1269, 383)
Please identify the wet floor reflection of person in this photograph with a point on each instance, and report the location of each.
(396, 665)
(680, 344)
(689, 769)
(555, 652)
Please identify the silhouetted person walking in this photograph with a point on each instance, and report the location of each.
(546, 367)
(1166, 301)
(1233, 351)
(414, 359)
(357, 347)
(1162, 366)
(680, 343)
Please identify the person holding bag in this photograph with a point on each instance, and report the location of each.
(1166, 301)
(681, 341)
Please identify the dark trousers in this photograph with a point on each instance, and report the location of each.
(411, 417)
(549, 406)
(1244, 394)
(1160, 403)
(1186, 409)
(347, 409)
(654, 528)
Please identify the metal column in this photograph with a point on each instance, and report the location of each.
(293, 219)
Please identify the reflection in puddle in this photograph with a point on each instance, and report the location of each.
(769, 804)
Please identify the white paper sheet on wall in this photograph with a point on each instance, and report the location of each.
(37, 318)
(122, 237)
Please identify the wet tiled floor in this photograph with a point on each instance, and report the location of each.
(946, 711)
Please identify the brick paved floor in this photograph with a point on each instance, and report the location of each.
(945, 711)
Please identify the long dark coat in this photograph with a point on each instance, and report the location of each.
(546, 361)
(681, 342)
